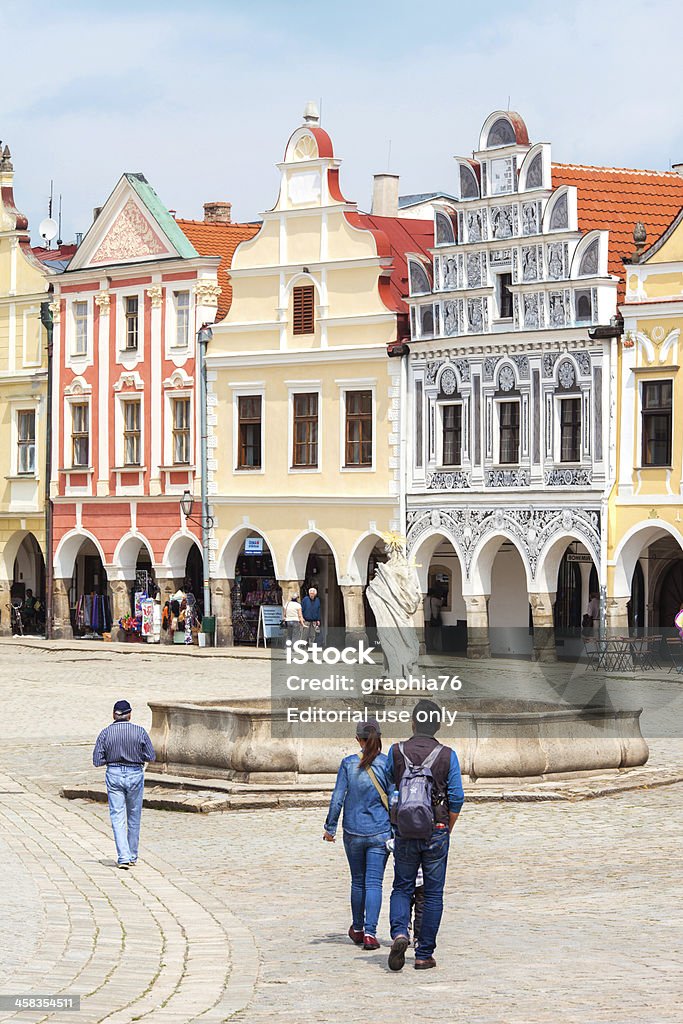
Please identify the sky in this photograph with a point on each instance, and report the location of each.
(201, 96)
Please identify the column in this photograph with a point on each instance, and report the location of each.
(288, 585)
(5, 605)
(477, 606)
(354, 614)
(544, 626)
(120, 603)
(419, 623)
(221, 608)
(617, 612)
(61, 610)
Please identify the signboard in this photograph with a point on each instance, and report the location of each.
(578, 556)
(269, 619)
(147, 610)
(253, 546)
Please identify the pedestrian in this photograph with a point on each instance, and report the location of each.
(124, 748)
(363, 790)
(310, 610)
(294, 620)
(593, 610)
(430, 796)
(29, 611)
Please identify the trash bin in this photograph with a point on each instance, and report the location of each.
(209, 630)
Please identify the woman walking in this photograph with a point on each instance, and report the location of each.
(294, 620)
(363, 791)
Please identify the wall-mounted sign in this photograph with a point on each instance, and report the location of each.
(253, 546)
(578, 556)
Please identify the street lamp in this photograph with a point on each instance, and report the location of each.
(204, 336)
(187, 507)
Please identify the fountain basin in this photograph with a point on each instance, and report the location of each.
(495, 740)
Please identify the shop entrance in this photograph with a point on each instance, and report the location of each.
(28, 588)
(321, 573)
(89, 595)
(255, 585)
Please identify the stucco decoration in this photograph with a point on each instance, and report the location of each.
(559, 218)
(555, 261)
(557, 310)
(507, 478)
(155, 294)
(583, 361)
(530, 218)
(451, 318)
(501, 221)
(534, 174)
(490, 364)
(589, 260)
(306, 149)
(419, 282)
(529, 263)
(565, 374)
(56, 310)
(531, 528)
(103, 301)
(432, 371)
(549, 360)
(451, 481)
(506, 378)
(450, 273)
(475, 316)
(474, 226)
(469, 186)
(444, 229)
(131, 236)
(568, 478)
(463, 368)
(207, 293)
(394, 595)
(473, 270)
(448, 381)
(501, 133)
(522, 364)
(531, 315)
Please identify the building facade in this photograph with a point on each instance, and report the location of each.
(645, 542)
(304, 423)
(125, 409)
(510, 457)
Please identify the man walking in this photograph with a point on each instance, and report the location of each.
(310, 609)
(429, 853)
(124, 748)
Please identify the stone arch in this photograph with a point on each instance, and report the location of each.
(631, 547)
(295, 566)
(175, 555)
(67, 552)
(483, 557)
(11, 549)
(551, 555)
(423, 553)
(357, 574)
(232, 547)
(126, 554)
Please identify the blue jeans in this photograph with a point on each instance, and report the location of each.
(125, 788)
(432, 855)
(367, 857)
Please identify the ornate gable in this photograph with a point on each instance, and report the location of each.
(130, 237)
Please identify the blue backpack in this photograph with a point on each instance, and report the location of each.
(415, 813)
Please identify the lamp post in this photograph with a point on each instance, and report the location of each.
(204, 336)
(46, 319)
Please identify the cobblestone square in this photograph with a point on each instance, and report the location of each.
(554, 912)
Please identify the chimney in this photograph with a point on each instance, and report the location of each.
(217, 212)
(385, 195)
(678, 168)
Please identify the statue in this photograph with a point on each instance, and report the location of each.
(394, 595)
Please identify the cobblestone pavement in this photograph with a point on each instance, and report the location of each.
(554, 913)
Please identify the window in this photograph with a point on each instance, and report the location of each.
(358, 428)
(508, 418)
(81, 328)
(131, 433)
(504, 296)
(305, 422)
(584, 307)
(452, 435)
(181, 431)
(303, 320)
(80, 435)
(656, 399)
(182, 319)
(249, 432)
(26, 442)
(131, 307)
(419, 424)
(570, 430)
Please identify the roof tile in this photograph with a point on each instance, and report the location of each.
(219, 240)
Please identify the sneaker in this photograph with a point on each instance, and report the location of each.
(355, 936)
(123, 867)
(370, 942)
(424, 965)
(397, 955)
(132, 863)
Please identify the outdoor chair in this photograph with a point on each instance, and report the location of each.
(674, 647)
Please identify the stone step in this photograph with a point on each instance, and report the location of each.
(161, 798)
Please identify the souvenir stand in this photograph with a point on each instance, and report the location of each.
(255, 586)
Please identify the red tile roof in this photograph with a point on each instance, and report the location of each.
(219, 240)
(403, 234)
(615, 198)
(62, 252)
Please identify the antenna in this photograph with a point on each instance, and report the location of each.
(49, 205)
(59, 232)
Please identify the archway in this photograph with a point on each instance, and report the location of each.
(313, 561)
(445, 615)
(647, 567)
(510, 622)
(669, 597)
(378, 555)
(248, 561)
(27, 589)
(89, 602)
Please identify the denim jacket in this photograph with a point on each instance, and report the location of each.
(364, 812)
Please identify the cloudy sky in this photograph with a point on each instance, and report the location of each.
(201, 96)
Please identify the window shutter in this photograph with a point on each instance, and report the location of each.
(303, 319)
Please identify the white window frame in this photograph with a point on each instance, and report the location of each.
(247, 391)
(76, 352)
(557, 436)
(497, 402)
(356, 385)
(654, 378)
(74, 357)
(174, 343)
(497, 282)
(125, 355)
(441, 405)
(303, 388)
(176, 396)
(18, 405)
(69, 434)
(119, 426)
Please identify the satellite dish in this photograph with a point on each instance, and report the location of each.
(48, 229)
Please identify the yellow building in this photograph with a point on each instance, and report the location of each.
(23, 393)
(645, 541)
(304, 404)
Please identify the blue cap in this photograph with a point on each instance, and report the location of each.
(121, 708)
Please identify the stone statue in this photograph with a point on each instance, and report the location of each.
(394, 595)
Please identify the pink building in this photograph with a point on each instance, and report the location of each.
(125, 407)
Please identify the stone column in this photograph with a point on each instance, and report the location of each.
(419, 623)
(544, 626)
(477, 606)
(120, 603)
(61, 612)
(221, 608)
(5, 606)
(354, 614)
(617, 612)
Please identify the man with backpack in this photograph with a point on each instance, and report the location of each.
(430, 796)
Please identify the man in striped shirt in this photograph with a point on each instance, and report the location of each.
(124, 748)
